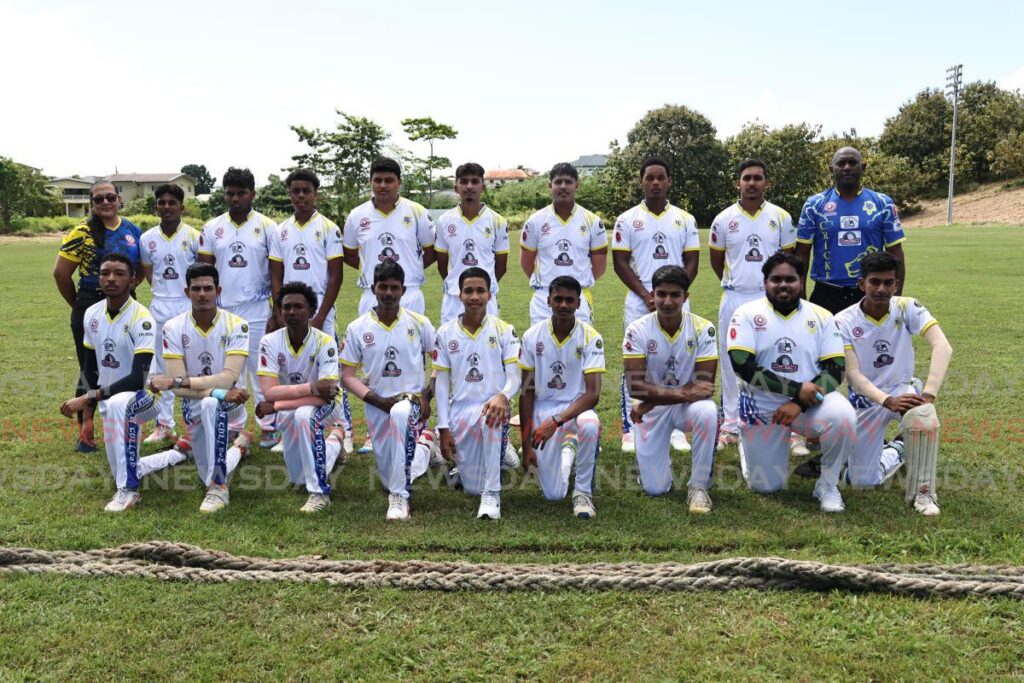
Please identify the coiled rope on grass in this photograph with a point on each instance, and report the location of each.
(181, 562)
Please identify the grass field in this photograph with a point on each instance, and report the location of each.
(52, 498)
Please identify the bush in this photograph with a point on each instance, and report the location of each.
(1007, 159)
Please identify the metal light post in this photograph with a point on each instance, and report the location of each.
(954, 79)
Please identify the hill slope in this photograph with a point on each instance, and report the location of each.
(991, 203)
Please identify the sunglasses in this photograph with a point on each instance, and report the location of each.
(100, 198)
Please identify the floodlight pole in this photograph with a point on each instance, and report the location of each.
(954, 78)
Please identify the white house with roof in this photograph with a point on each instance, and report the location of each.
(74, 191)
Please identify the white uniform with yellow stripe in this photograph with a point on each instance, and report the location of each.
(470, 243)
(562, 248)
(474, 363)
(304, 249)
(671, 360)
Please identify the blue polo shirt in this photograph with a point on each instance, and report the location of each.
(79, 247)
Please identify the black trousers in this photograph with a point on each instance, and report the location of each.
(833, 298)
(83, 300)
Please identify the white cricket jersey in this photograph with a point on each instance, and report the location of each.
(399, 236)
(315, 360)
(670, 358)
(391, 357)
(475, 362)
(169, 257)
(558, 367)
(304, 250)
(471, 243)
(885, 348)
(204, 353)
(116, 340)
(653, 240)
(748, 241)
(791, 346)
(241, 253)
(563, 247)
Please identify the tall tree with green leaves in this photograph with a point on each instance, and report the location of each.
(200, 174)
(23, 192)
(426, 128)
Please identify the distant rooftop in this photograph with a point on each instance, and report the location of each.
(591, 161)
(507, 174)
(144, 177)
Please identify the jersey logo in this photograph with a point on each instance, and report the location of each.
(545, 229)
(869, 207)
(237, 261)
(638, 224)
(453, 346)
(754, 255)
(301, 262)
(829, 208)
(473, 359)
(94, 325)
(469, 259)
(474, 375)
(652, 346)
(556, 381)
(294, 378)
(579, 352)
(810, 325)
(169, 274)
(492, 341)
(407, 220)
(784, 364)
(858, 332)
(391, 353)
(618, 236)
(108, 358)
(784, 345)
(659, 251)
(882, 348)
(219, 232)
(368, 339)
(760, 323)
(850, 238)
(734, 226)
(391, 370)
(539, 349)
(563, 258)
(364, 224)
(452, 229)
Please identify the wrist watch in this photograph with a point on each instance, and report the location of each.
(557, 421)
(93, 395)
(178, 381)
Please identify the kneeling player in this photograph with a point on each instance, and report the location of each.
(389, 343)
(475, 360)
(562, 360)
(877, 335)
(119, 337)
(670, 358)
(299, 378)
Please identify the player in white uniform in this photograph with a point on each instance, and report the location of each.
(670, 358)
(119, 336)
(389, 228)
(562, 239)
(789, 356)
(470, 235)
(166, 251)
(205, 349)
(476, 377)
(878, 338)
(299, 378)
(238, 243)
(742, 238)
(562, 360)
(650, 235)
(389, 344)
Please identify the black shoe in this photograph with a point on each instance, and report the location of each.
(83, 447)
(810, 469)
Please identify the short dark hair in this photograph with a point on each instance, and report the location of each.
(296, 287)
(119, 258)
(673, 275)
(385, 165)
(565, 282)
(475, 272)
(388, 270)
(747, 163)
(654, 161)
(239, 177)
(302, 174)
(878, 262)
(200, 269)
(469, 168)
(563, 168)
(173, 190)
(780, 257)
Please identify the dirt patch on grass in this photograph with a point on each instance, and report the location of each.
(988, 204)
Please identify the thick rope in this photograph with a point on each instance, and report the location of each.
(181, 562)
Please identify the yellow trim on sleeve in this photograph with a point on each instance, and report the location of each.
(173, 356)
(237, 353)
(800, 240)
(526, 247)
(848, 347)
(334, 377)
(524, 367)
(691, 249)
(439, 250)
(891, 244)
(593, 370)
(275, 258)
(931, 323)
(633, 355)
(621, 249)
(348, 363)
(205, 253)
(138, 351)
(711, 246)
(787, 246)
(437, 366)
(704, 358)
(93, 348)
(268, 373)
(503, 251)
(740, 348)
(833, 355)
(336, 256)
(510, 361)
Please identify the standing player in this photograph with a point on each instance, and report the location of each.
(670, 357)
(877, 334)
(470, 235)
(562, 239)
(476, 378)
(119, 338)
(167, 250)
(562, 360)
(650, 235)
(742, 238)
(389, 344)
(789, 356)
(205, 351)
(389, 228)
(299, 378)
(238, 243)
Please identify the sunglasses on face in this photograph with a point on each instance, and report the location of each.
(100, 198)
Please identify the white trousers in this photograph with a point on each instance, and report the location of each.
(553, 470)
(207, 423)
(700, 418)
(308, 456)
(731, 300)
(123, 416)
(539, 309)
(872, 421)
(412, 299)
(394, 435)
(162, 311)
(255, 315)
(478, 448)
(451, 307)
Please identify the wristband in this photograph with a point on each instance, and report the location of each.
(219, 394)
(554, 418)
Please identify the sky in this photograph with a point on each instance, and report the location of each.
(140, 86)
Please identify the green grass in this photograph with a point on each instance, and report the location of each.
(52, 498)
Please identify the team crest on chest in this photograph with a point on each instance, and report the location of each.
(391, 368)
(884, 351)
(108, 355)
(237, 259)
(563, 258)
(784, 363)
(556, 381)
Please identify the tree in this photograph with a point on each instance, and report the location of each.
(1007, 159)
(988, 114)
(198, 173)
(426, 128)
(23, 192)
(795, 171)
(273, 198)
(920, 133)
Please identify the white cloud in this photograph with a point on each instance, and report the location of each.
(1014, 81)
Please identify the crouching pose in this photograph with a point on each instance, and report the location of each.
(878, 335)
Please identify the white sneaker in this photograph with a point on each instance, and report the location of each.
(628, 444)
(798, 446)
(398, 507)
(829, 497)
(698, 500)
(216, 499)
(269, 438)
(510, 458)
(316, 503)
(348, 447)
(514, 420)
(279, 448)
(243, 442)
(429, 439)
(743, 461)
(583, 506)
(679, 442)
(490, 506)
(366, 448)
(124, 499)
(160, 434)
(926, 505)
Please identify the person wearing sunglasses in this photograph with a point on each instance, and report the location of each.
(83, 249)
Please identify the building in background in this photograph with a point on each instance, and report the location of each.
(74, 191)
